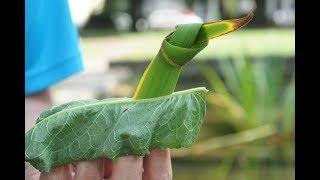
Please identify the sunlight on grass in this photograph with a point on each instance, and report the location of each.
(144, 46)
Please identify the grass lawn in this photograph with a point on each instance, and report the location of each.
(131, 46)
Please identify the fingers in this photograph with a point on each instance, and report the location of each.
(107, 165)
(72, 167)
(89, 170)
(30, 172)
(157, 166)
(59, 173)
(127, 168)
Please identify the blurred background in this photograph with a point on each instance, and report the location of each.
(248, 132)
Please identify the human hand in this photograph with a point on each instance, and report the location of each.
(157, 166)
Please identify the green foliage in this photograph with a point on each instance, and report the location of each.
(257, 87)
(178, 48)
(89, 129)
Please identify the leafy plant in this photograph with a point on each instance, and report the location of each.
(252, 92)
(154, 118)
(268, 114)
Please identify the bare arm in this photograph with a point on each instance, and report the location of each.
(34, 105)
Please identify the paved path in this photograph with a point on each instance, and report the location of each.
(96, 79)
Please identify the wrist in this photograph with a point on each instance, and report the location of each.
(34, 105)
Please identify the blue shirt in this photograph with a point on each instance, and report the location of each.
(51, 44)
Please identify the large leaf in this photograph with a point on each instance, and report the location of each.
(85, 130)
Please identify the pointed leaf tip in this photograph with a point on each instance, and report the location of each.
(240, 22)
(211, 30)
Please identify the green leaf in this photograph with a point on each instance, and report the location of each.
(89, 129)
(177, 49)
(288, 105)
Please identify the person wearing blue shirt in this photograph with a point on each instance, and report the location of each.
(51, 46)
(52, 54)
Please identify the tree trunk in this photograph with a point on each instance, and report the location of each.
(135, 10)
(260, 18)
